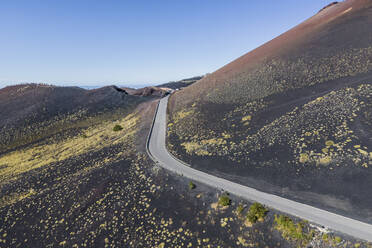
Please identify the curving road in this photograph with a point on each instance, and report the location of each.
(158, 152)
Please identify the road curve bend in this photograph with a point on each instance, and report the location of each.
(157, 150)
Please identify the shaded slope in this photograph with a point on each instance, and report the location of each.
(292, 117)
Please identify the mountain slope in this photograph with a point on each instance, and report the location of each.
(333, 44)
(36, 111)
(84, 183)
(293, 117)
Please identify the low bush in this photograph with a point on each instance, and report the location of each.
(224, 200)
(239, 209)
(292, 231)
(256, 212)
(192, 185)
(337, 239)
(325, 237)
(117, 128)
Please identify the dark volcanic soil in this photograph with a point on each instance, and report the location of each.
(343, 187)
(292, 117)
(97, 188)
(89, 186)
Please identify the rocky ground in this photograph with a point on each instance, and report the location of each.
(316, 149)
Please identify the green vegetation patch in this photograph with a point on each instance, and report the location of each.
(239, 209)
(337, 239)
(117, 128)
(291, 231)
(192, 185)
(257, 212)
(224, 200)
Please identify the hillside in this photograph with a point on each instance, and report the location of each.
(84, 183)
(292, 117)
(34, 111)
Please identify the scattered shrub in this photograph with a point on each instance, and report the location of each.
(224, 200)
(256, 212)
(192, 185)
(117, 128)
(329, 143)
(239, 209)
(304, 158)
(337, 239)
(292, 231)
(325, 237)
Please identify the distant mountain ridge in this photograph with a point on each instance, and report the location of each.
(181, 83)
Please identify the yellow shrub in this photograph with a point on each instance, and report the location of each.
(247, 118)
(193, 147)
(329, 143)
(182, 114)
(307, 134)
(364, 153)
(226, 135)
(190, 147)
(304, 158)
(325, 150)
(326, 160)
(214, 141)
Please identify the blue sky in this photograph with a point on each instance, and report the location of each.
(88, 42)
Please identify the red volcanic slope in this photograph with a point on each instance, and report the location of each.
(284, 44)
(290, 38)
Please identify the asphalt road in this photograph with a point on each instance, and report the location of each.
(159, 153)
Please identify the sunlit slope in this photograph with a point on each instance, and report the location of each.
(292, 117)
